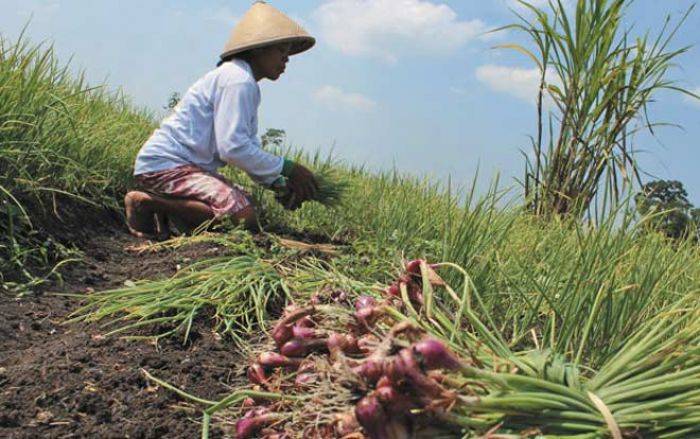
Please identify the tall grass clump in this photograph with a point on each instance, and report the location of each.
(61, 141)
(599, 80)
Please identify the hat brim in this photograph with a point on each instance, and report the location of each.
(299, 44)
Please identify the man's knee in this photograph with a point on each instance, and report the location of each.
(136, 199)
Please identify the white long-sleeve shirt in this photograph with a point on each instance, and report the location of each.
(215, 123)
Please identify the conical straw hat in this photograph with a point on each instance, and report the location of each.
(263, 25)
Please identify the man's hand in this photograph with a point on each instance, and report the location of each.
(288, 201)
(302, 184)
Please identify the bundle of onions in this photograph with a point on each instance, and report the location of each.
(430, 353)
(393, 378)
(331, 188)
(402, 383)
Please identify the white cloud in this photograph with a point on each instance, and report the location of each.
(335, 97)
(387, 29)
(522, 83)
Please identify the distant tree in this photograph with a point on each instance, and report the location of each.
(173, 100)
(273, 137)
(668, 198)
(695, 226)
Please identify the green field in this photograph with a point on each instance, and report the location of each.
(547, 310)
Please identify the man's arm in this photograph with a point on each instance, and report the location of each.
(234, 109)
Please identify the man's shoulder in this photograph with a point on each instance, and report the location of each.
(234, 73)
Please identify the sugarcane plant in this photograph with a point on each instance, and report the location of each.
(596, 83)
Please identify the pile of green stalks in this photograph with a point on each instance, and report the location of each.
(646, 387)
(235, 293)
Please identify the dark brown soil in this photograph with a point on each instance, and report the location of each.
(64, 381)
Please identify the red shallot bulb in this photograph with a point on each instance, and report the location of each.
(365, 302)
(386, 394)
(305, 322)
(435, 355)
(304, 380)
(273, 360)
(256, 374)
(369, 316)
(413, 267)
(307, 366)
(303, 332)
(372, 417)
(294, 348)
(421, 383)
(384, 381)
(371, 370)
(282, 333)
(252, 422)
(298, 347)
(345, 343)
(393, 290)
(336, 342)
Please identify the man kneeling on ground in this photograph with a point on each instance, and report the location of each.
(214, 124)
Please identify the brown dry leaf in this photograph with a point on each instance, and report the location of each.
(44, 417)
(435, 278)
(304, 247)
(91, 388)
(151, 389)
(139, 249)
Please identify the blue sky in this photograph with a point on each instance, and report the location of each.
(408, 83)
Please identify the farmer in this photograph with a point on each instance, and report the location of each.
(214, 124)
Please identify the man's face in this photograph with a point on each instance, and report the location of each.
(271, 61)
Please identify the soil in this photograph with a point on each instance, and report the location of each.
(62, 380)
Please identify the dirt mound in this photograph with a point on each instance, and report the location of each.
(68, 381)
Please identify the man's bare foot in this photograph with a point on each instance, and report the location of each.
(162, 227)
(140, 215)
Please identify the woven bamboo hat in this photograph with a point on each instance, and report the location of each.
(264, 25)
